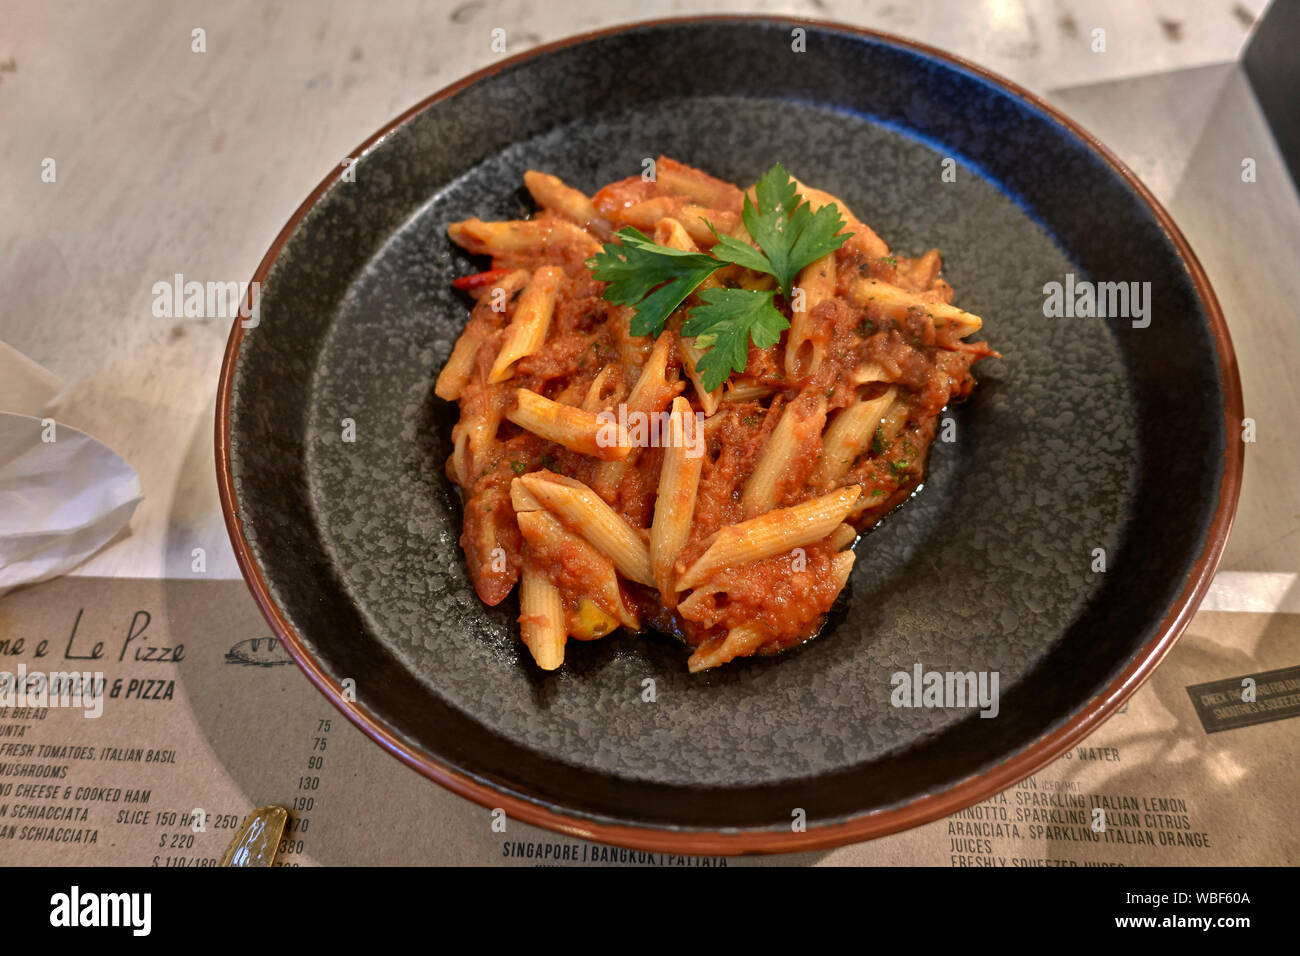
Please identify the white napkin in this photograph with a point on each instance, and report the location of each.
(63, 495)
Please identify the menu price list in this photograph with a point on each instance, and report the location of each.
(69, 801)
(1056, 812)
(195, 717)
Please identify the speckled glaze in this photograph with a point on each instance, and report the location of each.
(1087, 434)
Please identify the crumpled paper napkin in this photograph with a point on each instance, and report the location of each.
(63, 495)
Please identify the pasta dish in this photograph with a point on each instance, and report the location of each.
(681, 402)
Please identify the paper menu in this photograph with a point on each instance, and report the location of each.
(204, 719)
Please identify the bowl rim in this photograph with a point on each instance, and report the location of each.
(924, 809)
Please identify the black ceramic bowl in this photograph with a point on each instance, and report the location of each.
(1089, 434)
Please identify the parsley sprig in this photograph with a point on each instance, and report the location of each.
(651, 277)
(786, 229)
(725, 324)
(656, 280)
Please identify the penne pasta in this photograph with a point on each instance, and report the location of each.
(521, 499)
(679, 479)
(894, 419)
(522, 237)
(747, 392)
(695, 219)
(574, 428)
(490, 542)
(771, 533)
(541, 619)
(850, 434)
(460, 458)
(804, 349)
(600, 393)
(455, 375)
(740, 641)
(599, 579)
(480, 425)
(671, 233)
(582, 510)
(816, 198)
(842, 537)
(679, 179)
(653, 392)
(869, 372)
(551, 192)
(895, 302)
(920, 275)
(841, 568)
(527, 329)
(761, 490)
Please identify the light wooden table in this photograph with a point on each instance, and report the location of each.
(172, 161)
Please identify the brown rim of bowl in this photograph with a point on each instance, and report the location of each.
(924, 809)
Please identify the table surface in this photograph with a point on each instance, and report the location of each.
(170, 161)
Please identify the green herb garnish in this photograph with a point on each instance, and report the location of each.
(725, 323)
(655, 280)
(786, 229)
